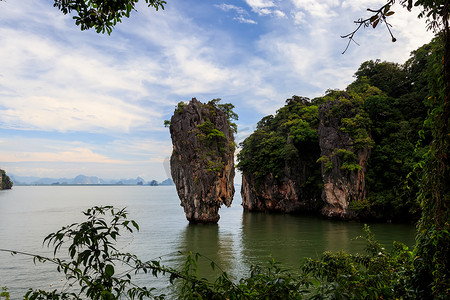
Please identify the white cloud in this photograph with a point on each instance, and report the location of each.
(229, 7)
(279, 13)
(265, 8)
(361, 5)
(57, 80)
(318, 8)
(242, 19)
(18, 149)
(142, 149)
(242, 16)
(76, 112)
(299, 17)
(259, 4)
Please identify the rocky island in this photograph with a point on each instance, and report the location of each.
(310, 157)
(202, 161)
(5, 181)
(278, 161)
(349, 154)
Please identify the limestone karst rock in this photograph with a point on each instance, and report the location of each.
(5, 181)
(202, 161)
(278, 161)
(286, 194)
(310, 157)
(345, 148)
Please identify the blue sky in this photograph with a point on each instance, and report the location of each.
(74, 102)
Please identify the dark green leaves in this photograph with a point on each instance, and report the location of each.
(92, 253)
(102, 15)
(109, 270)
(135, 225)
(275, 143)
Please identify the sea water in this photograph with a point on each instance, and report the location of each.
(239, 240)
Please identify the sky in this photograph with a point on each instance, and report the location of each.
(77, 102)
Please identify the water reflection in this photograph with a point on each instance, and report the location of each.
(221, 243)
(239, 240)
(290, 238)
(204, 239)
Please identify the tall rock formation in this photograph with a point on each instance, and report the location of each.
(202, 161)
(278, 161)
(345, 145)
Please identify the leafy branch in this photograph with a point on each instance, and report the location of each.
(102, 15)
(379, 16)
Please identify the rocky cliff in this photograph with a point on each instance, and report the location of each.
(278, 161)
(5, 181)
(345, 148)
(287, 194)
(369, 142)
(202, 161)
(310, 157)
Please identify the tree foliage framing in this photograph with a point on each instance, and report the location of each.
(432, 253)
(102, 15)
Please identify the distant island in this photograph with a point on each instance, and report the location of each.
(85, 180)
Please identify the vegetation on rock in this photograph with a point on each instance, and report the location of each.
(278, 160)
(384, 110)
(5, 181)
(202, 161)
(278, 139)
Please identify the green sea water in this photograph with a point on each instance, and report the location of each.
(239, 240)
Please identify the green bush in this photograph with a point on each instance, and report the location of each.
(4, 295)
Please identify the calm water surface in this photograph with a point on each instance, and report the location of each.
(239, 240)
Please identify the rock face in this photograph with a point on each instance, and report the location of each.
(310, 157)
(289, 193)
(345, 150)
(279, 161)
(202, 161)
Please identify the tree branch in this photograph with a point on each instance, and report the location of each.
(379, 16)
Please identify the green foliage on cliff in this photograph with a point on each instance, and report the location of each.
(383, 110)
(276, 143)
(211, 137)
(6, 181)
(397, 111)
(213, 145)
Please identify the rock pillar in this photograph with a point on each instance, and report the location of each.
(202, 161)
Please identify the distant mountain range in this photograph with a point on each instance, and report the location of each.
(84, 180)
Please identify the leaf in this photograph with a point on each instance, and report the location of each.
(390, 13)
(109, 270)
(375, 23)
(135, 224)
